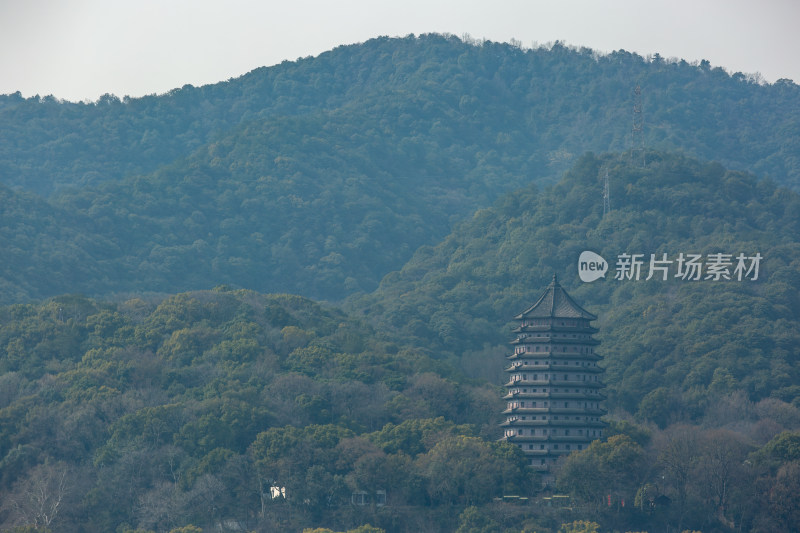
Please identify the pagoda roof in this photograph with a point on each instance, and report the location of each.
(555, 303)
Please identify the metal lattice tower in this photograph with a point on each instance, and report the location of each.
(606, 194)
(637, 145)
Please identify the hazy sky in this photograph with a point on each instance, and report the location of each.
(81, 49)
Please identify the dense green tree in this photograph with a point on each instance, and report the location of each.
(471, 520)
(614, 466)
(672, 348)
(329, 172)
(467, 470)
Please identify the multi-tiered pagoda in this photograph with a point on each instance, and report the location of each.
(554, 399)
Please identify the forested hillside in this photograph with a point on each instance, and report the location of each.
(671, 347)
(230, 410)
(552, 102)
(320, 176)
(433, 187)
(153, 416)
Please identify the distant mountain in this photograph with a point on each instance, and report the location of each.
(548, 103)
(670, 346)
(320, 176)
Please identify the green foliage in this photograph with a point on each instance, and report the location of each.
(639, 434)
(327, 173)
(467, 470)
(671, 348)
(199, 404)
(416, 436)
(602, 468)
(471, 520)
(579, 526)
(783, 448)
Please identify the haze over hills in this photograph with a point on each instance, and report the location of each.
(320, 176)
(432, 187)
(671, 345)
(159, 415)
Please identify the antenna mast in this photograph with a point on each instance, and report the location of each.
(606, 195)
(637, 147)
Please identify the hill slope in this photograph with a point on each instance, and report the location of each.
(564, 100)
(320, 176)
(674, 343)
(188, 411)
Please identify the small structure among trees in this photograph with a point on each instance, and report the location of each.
(553, 394)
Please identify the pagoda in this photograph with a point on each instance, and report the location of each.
(554, 402)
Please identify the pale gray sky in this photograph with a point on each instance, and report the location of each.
(81, 49)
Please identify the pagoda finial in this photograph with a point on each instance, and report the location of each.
(555, 278)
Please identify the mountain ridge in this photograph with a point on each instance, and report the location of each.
(320, 176)
(457, 296)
